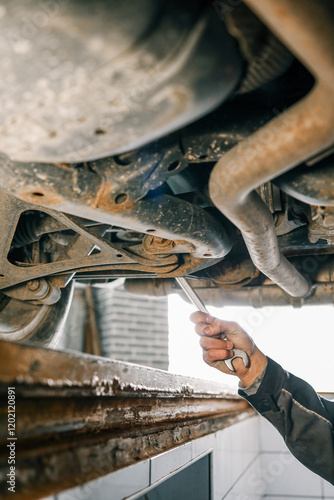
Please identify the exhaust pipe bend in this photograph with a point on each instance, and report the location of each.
(306, 27)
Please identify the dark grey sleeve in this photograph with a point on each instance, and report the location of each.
(304, 419)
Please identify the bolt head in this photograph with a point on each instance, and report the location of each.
(33, 285)
(163, 242)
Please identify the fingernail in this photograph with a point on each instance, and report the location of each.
(208, 329)
(229, 345)
(208, 319)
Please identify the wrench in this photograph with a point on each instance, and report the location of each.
(199, 304)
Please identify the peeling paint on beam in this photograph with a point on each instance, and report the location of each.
(94, 375)
(80, 417)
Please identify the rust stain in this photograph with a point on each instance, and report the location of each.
(105, 200)
(40, 196)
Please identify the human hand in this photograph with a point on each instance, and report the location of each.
(219, 337)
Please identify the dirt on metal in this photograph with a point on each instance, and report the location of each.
(80, 417)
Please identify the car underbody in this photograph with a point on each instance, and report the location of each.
(152, 140)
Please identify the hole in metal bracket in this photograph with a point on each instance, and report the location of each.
(173, 166)
(121, 198)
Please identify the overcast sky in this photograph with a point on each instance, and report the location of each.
(301, 340)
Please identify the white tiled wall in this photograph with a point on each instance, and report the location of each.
(236, 449)
(170, 461)
(276, 474)
(249, 462)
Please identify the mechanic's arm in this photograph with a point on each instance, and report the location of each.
(304, 419)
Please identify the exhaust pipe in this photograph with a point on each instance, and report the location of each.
(306, 27)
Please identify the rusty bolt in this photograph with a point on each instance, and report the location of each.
(33, 285)
(48, 245)
(162, 242)
(39, 287)
(42, 290)
(156, 244)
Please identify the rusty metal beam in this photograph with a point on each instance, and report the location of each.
(79, 417)
(254, 296)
